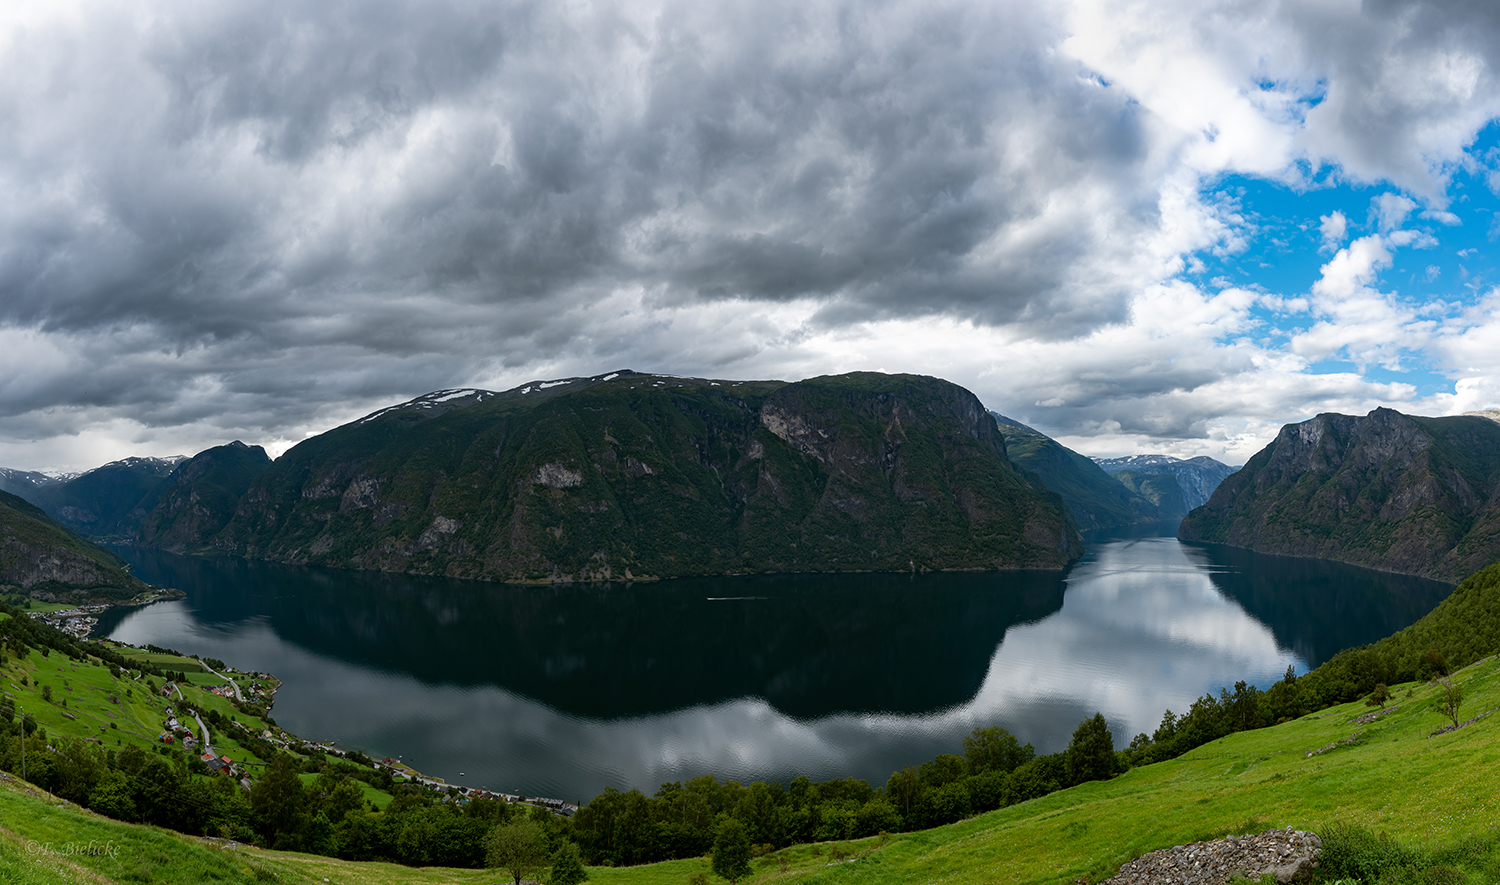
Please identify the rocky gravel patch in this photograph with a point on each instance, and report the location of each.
(1289, 855)
(1371, 717)
(1333, 746)
(1444, 730)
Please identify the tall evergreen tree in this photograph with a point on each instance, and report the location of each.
(1091, 753)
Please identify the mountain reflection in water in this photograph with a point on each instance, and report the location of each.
(563, 690)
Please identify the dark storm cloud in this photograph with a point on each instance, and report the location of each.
(293, 173)
(264, 211)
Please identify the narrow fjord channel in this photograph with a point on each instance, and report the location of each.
(560, 691)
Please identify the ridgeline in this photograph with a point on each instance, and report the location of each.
(1420, 496)
(42, 559)
(632, 476)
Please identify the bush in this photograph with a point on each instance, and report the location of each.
(567, 865)
(1356, 853)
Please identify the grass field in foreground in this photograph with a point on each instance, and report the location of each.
(1392, 778)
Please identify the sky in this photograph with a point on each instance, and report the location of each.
(1168, 226)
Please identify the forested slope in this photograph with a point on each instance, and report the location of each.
(1390, 491)
(632, 476)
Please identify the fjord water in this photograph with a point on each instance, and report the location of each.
(562, 690)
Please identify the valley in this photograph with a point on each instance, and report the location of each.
(848, 574)
(1430, 794)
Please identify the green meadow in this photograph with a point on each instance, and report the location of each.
(84, 699)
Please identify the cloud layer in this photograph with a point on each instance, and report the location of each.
(258, 219)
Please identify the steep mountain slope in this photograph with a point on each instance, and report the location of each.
(110, 501)
(628, 475)
(1196, 477)
(50, 562)
(200, 496)
(1161, 489)
(1389, 491)
(1095, 500)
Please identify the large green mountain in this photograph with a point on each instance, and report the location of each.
(49, 562)
(628, 475)
(200, 496)
(1095, 499)
(108, 502)
(1390, 491)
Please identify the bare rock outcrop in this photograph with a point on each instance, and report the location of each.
(1290, 855)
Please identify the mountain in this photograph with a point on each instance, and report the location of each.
(200, 496)
(23, 483)
(49, 562)
(107, 502)
(627, 475)
(1196, 477)
(1397, 492)
(1162, 490)
(1094, 498)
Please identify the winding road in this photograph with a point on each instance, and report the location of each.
(207, 747)
(232, 684)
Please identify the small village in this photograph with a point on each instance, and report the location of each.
(76, 622)
(260, 689)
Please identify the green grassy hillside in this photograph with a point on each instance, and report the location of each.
(114, 709)
(1394, 777)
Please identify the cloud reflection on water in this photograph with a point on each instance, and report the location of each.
(1142, 628)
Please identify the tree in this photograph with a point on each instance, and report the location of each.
(1379, 696)
(731, 850)
(995, 749)
(280, 802)
(1091, 753)
(1450, 700)
(519, 848)
(567, 865)
(902, 789)
(345, 797)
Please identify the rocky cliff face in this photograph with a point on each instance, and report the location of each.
(49, 562)
(1391, 491)
(629, 475)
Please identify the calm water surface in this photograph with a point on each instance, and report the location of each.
(560, 691)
